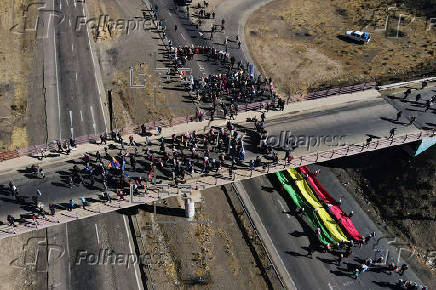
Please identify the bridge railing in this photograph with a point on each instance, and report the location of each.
(92, 138)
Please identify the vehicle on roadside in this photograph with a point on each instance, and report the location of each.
(359, 36)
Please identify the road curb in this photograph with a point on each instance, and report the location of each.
(278, 262)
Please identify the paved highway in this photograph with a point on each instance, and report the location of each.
(291, 236)
(73, 103)
(87, 262)
(353, 121)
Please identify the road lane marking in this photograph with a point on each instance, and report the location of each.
(131, 251)
(93, 120)
(81, 116)
(76, 77)
(183, 36)
(95, 74)
(71, 124)
(68, 252)
(284, 210)
(57, 79)
(72, 47)
(69, 21)
(281, 204)
(96, 232)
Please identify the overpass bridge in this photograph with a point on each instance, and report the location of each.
(361, 121)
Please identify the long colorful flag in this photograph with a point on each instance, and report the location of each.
(309, 211)
(331, 225)
(332, 204)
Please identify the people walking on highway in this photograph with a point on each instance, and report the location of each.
(340, 257)
(41, 171)
(412, 120)
(399, 114)
(392, 133)
(83, 200)
(70, 205)
(403, 268)
(34, 220)
(407, 93)
(11, 220)
(52, 208)
(423, 85)
(428, 104)
(13, 188)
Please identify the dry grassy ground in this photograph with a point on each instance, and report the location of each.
(118, 52)
(16, 53)
(298, 42)
(224, 250)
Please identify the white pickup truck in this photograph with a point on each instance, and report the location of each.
(362, 37)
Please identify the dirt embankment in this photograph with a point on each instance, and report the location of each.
(219, 251)
(399, 192)
(16, 55)
(142, 50)
(299, 43)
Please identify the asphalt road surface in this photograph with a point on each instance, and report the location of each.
(353, 121)
(291, 236)
(73, 103)
(91, 254)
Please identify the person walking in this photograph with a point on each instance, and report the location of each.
(83, 200)
(403, 268)
(41, 171)
(369, 140)
(341, 255)
(71, 205)
(399, 114)
(11, 220)
(175, 27)
(427, 105)
(412, 120)
(52, 209)
(407, 93)
(392, 133)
